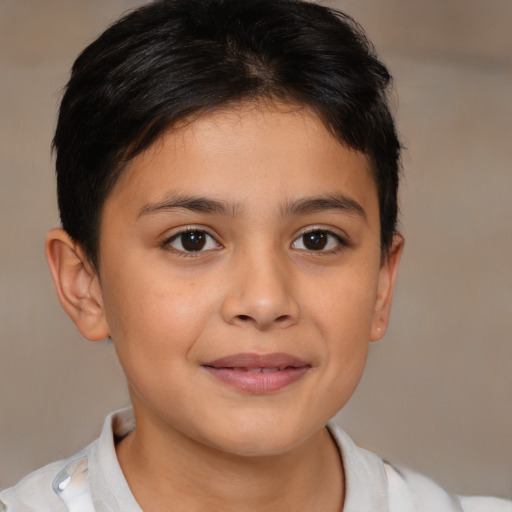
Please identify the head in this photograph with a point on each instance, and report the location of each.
(175, 60)
(227, 176)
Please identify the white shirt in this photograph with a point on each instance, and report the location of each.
(92, 481)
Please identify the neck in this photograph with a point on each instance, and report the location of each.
(163, 467)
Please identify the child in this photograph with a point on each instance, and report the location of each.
(227, 178)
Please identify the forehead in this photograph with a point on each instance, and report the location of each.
(252, 154)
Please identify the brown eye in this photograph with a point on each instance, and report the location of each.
(315, 241)
(193, 240)
(318, 240)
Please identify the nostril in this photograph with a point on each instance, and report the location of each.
(248, 318)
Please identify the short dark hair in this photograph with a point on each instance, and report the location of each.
(173, 59)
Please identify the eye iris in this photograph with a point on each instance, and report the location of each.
(193, 240)
(315, 240)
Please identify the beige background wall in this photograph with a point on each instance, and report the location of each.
(437, 394)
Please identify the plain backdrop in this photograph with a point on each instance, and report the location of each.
(437, 392)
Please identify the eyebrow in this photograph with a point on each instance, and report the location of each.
(308, 205)
(197, 204)
(321, 203)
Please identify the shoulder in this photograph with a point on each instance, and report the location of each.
(375, 485)
(408, 490)
(34, 492)
(67, 485)
(58, 487)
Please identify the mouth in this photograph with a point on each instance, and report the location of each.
(258, 373)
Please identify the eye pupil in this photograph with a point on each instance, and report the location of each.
(315, 241)
(193, 240)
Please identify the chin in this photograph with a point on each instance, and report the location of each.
(259, 448)
(260, 439)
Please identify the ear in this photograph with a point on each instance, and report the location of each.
(387, 279)
(77, 285)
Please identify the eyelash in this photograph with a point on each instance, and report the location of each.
(341, 243)
(190, 253)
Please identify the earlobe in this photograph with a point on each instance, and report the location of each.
(77, 285)
(387, 280)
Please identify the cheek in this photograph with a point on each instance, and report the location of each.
(343, 304)
(153, 317)
(342, 312)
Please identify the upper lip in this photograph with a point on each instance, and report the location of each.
(253, 360)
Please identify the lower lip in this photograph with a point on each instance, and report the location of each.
(258, 382)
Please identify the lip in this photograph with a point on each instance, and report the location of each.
(258, 373)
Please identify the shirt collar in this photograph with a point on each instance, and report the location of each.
(365, 477)
(366, 488)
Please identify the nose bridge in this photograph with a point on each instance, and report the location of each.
(261, 292)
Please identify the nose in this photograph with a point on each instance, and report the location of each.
(260, 293)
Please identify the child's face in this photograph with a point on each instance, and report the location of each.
(245, 281)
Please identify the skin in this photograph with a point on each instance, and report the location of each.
(255, 287)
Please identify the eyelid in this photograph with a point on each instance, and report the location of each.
(166, 243)
(341, 238)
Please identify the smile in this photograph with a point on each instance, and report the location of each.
(258, 373)
(260, 370)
